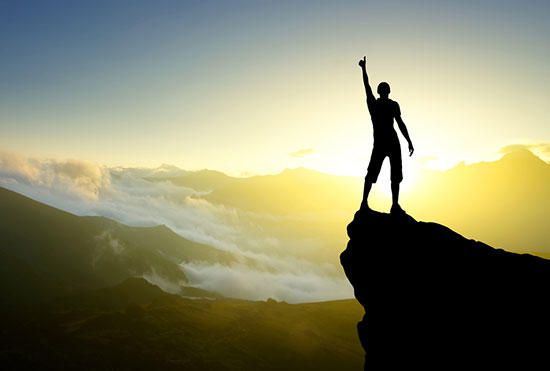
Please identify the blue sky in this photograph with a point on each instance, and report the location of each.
(239, 85)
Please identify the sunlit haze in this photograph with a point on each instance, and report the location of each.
(253, 87)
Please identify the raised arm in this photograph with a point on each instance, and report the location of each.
(405, 133)
(368, 90)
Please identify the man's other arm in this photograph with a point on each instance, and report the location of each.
(405, 133)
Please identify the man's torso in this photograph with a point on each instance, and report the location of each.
(382, 113)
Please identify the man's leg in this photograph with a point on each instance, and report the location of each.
(395, 193)
(395, 208)
(375, 164)
(366, 191)
(396, 178)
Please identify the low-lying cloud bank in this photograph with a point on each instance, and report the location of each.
(124, 195)
(240, 281)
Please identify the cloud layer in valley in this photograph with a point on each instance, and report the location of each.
(124, 195)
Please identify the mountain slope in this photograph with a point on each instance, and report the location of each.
(435, 299)
(504, 202)
(292, 192)
(57, 252)
(134, 326)
(130, 291)
(21, 285)
(468, 198)
(165, 241)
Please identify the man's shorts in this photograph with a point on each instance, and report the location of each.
(378, 155)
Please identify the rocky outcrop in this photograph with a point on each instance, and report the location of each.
(437, 300)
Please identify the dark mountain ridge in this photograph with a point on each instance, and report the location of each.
(435, 299)
(46, 252)
(136, 326)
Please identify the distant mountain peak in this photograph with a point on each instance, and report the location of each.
(521, 154)
(168, 166)
(168, 170)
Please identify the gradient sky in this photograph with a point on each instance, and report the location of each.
(239, 86)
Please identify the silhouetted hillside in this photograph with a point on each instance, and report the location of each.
(22, 285)
(506, 201)
(133, 290)
(164, 240)
(46, 252)
(437, 300)
(136, 326)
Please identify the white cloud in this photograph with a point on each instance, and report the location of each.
(125, 196)
(243, 282)
(169, 286)
(301, 153)
(70, 178)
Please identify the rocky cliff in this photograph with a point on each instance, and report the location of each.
(437, 300)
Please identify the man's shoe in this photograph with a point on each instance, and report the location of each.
(396, 209)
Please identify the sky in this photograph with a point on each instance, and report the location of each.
(253, 87)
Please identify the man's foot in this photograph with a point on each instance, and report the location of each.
(396, 209)
(364, 206)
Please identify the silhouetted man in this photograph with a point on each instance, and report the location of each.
(386, 143)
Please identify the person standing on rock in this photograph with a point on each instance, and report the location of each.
(386, 143)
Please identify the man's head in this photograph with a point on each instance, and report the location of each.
(383, 89)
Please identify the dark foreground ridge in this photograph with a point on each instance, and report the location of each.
(435, 299)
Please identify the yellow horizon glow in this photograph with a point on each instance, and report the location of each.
(275, 83)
